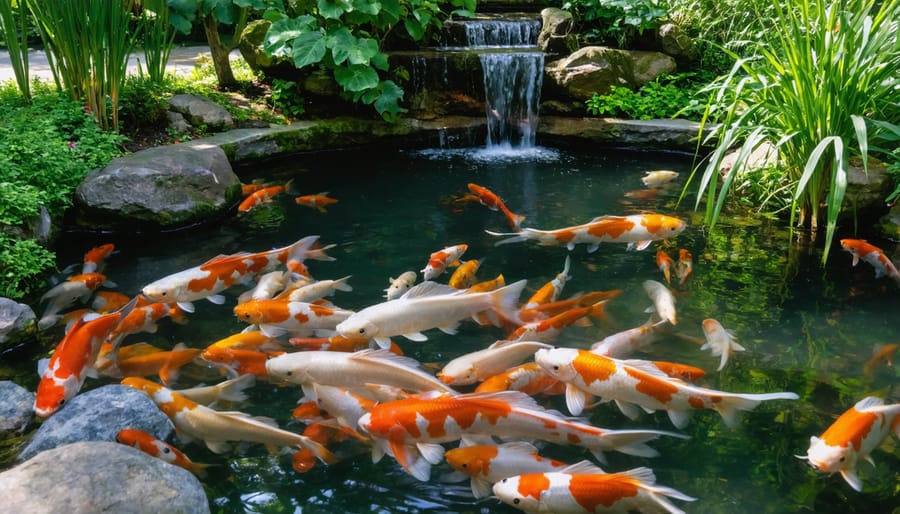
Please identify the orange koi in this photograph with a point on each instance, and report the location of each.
(440, 260)
(318, 201)
(488, 464)
(279, 317)
(635, 383)
(249, 189)
(334, 343)
(488, 285)
(250, 340)
(638, 230)
(263, 195)
(852, 437)
(239, 361)
(141, 319)
(548, 330)
(159, 449)
(547, 310)
(490, 200)
(464, 275)
(107, 301)
(550, 291)
(684, 268)
(94, 259)
(664, 263)
(642, 194)
(585, 489)
(881, 353)
(166, 364)
(411, 429)
(860, 249)
(528, 378)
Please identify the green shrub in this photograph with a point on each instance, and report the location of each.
(21, 263)
(669, 96)
(615, 21)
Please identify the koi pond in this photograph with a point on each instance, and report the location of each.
(806, 329)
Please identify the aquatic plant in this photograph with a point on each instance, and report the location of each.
(814, 85)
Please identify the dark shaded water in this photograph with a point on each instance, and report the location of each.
(807, 329)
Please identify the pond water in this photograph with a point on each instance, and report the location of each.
(806, 329)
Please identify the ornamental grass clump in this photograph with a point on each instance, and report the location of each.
(818, 85)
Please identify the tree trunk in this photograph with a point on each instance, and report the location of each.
(219, 53)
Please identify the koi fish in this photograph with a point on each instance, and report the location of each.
(318, 201)
(464, 275)
(249, 340)
(440, 260)
(344, 406)
(487, 464)
(663, 300)
(488, 285)
(239, 361)
(490, 200)
(479, 365)
(319, 289)
(549, 329)
(684, 268)
(195, 421)
(166, 364)
(658, 178)
(333, 343)
(664, 263)
(73, 361)
(550, 291)
(263, 195)
(860, 249)
(220, 273)
(94, 259)
(412, 429)
(428, 305)
(881, 353)
(679, 371)
(636, 383)
(75, 289)
(622, 344)
(279, 317)
(141, 319)
(582, 488)
(852, 437)
(548, 310)
(400, 285)
(159, 449)
(105, 302)
(249, 189)
(352, 370)
(638, 230)
(528, 378)
(267, 286)
(642, 194)
(232, 390)
(720, 341)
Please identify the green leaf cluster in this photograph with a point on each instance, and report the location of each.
(669, 96)
(21, 262)
(619, 21)
(347, 37)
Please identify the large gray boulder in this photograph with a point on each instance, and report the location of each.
(17, 322)
(98, 415)
(159, 188)
(16, 407)
(202, 112)
(556, 38)
(91, 477)
(596, 69)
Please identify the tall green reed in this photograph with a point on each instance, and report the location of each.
(158, 38)
(88, 42)
(813, 85)
(13, 25)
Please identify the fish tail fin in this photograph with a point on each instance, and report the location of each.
(516, 236)
(661, 495)
(319, 450)
(199, 468)
(731, 405)
(234, 390)
(629, 442)
(505, 303)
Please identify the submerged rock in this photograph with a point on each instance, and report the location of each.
(90, 477)
(16, 406)
(98, 415)
(17, 322)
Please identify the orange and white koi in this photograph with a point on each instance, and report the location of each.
(159, 449)
(278, 317)
(333, 343)
(637, 383)
(231, 390)
(268, 285)
(720, 341)
(638, 230)
(664, 263)
(352, 370)
(880, 353)
(528, 378)
(663, 300)
(425, 306)
(141, 319)
(400, 285)
(195, 421)
(317, 201)
(490, 200)
(344, 405)
(582, 488)
(548, 310)
(549, 329)
(412, 429)
(464, 275)
(852, 437)
(479, 365)
(220, 273)
(680, 371)
(658, 178)
(248, 340)
(239, 361)
(75, 289)
(487, 464)
(860, 249)
(440, 260)
(73, 361)
(622, 344)
(95, 258)
(105, 302)
(263, 195)
(550, 291)
(166, 364)
(319, 289)
(684, 268)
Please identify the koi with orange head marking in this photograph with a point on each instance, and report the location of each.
(94, 259)
(279, 317)
(720, 341)
(440, 260)
(684, 268)
(77, 288)
(488, 464)
(528, 378)
(638, 230)
(861, 250)
(159, 449)
(664, 263)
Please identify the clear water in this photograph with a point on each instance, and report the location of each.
(807, 329)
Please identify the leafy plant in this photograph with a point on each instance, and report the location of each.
(13, 26)
(669, 96)
(819, 78)
(158, 37)
(21, 261)
(286, 98)
(603, 21)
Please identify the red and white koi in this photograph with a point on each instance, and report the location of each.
(317, 201)
(722, 342)
(160, 449)
(75, 289)
(664, 263)
(425, 306)
(663, 300)
(278, 317)
(482, 364)
(95, 258)
(440, 260)
(623, 344)
(142, 319)
(584, 489)
(73, 361)
(852, 437)
(411, 429)
(860, 249)
(638, 230)
(486, 465)
(637, 383)
(195, 421)
(220, 273)
(490, 200)
(400, 285)
(684, 268)
(550, 291)
(658, 178)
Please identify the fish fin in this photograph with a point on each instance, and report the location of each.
(583, 467)
(852, 479)
(378, 450)
(598, 454)
(516, 237)
(342, 285)
(868, 459)
(217, 299)
(855, 260)
(731, 404)
(431, 452)
(413, 336)
(575, 399)
(477, 440)
(218, 446)
(681, 418)
(233, 390)
(272, 330)
(867, 402)
(630, 410)
(407, 456)
(386, 355)
(571, 246)
(481, 488)
(429, 288)
(451, 329)
(186, 306)
(641, 245)
(592, 247)
(42, 366)
(383, 342)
